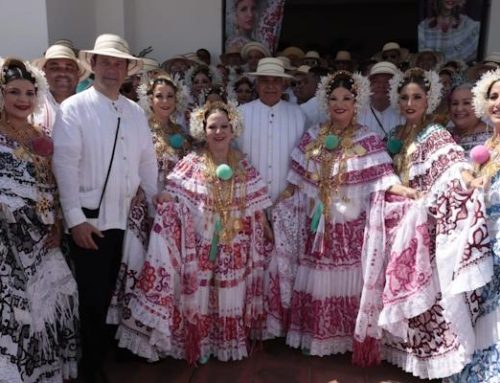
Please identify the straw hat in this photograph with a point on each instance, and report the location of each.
(303, 69)
(149, 64)
(254, 46)
(403, 52)
(293, 51)
(113, 46)
(492, 59)
(59, 51)
(270, 66)
(343, 56)
(286, 62)
(383, 67)
(312, 55)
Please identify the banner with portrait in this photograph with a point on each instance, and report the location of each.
(252, 20)
(452, 27)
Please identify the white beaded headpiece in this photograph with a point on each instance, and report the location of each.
(480, 92)
(197, 120)
(361, 88)
(432, 83)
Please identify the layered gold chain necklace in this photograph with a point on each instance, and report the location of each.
(168, 137)
(333, 145)
(228, 205)
(402, 162)
(35, 147)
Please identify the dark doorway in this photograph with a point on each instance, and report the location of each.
(359, 26)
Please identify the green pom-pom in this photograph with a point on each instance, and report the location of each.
(176, 140)
(214, 245)
(394, 145)
(331, 141)
(316, 217)
(224, 172)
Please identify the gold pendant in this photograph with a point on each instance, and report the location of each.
(315, 177)
(359, 150)
(237, 225)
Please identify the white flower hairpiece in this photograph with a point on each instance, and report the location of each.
(181, 95)
(480, 92)
(197, 120)
(41, 84)
(432, 83)
(361, 87)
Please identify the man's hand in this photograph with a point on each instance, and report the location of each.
(82, 235)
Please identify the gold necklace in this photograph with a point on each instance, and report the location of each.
(402, 163)
(25, 137)
(316, 150)
(222, 195)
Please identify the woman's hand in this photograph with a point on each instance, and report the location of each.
(54, 238)
(405, 191)
(139, 197)
(161, 198)
(479, 182)
(287, 193)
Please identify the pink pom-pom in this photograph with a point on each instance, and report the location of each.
(480, 154)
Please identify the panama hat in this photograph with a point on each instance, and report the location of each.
(492, 58)
(343, 56)
(149, 64)
(403, 52)
(293, 51)
(383, 67)
(270, 66)
(287, 63)
(59, 51)
(254, 46)
(303, 69)
(114, 46)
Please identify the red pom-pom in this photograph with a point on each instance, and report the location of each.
(480, 154)
(42, 146)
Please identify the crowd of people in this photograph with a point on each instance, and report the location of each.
(191, 210)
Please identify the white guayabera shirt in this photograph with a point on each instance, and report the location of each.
(269, 135)
(84, 133)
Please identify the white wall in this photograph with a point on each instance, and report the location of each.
(23, 28)
(493, 39)
(174, 27)
(171, 27)
(71, 19)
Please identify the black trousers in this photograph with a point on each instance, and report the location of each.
(96, 272)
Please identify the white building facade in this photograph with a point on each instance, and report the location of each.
(171, 27)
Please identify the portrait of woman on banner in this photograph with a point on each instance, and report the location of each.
(450, 27)
(252, 20)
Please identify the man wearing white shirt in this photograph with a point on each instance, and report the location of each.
(311, 108)
(272, 126)
(88, 128)
(63, 72)
(379, 116)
